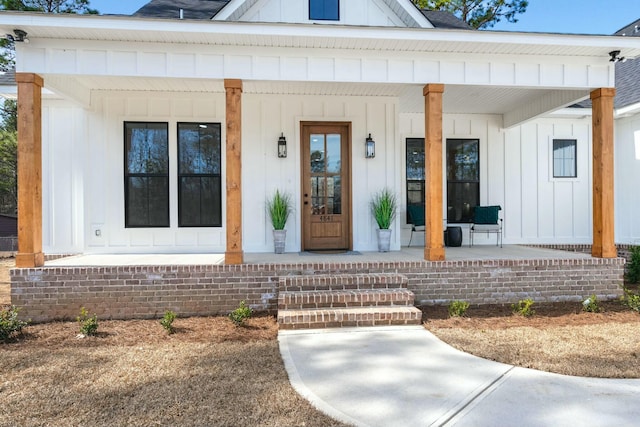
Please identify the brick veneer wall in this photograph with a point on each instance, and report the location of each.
(624, 250)
(124, 292)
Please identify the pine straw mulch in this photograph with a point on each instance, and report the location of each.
(559, 337)
(133, 374)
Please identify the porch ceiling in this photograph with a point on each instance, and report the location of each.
(457, 98)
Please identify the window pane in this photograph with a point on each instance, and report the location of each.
(147, 148)
(317, 153)
(415, 173)
(462, 160)
(463, 179)
(146, 175)
(462, 198)
(199, 159)
(147, 202)
(333, 153)
(564, 158)
(199, 148)
(324, 9)
(200, 202)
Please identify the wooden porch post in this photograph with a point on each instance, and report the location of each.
(603, 220)
(433, 244)
(233, 89)
(29, 171)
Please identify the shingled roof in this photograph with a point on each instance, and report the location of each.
(207, 9)
(192, 9)
(445, 20)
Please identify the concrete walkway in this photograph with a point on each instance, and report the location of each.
(405, 376)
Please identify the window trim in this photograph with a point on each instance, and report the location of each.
(553, 159)
(128, 175)
(324, 19)
(190, 175)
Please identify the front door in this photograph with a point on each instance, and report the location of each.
(326, 185)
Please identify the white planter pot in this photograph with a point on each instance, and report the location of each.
(279, 239)
(384, 240)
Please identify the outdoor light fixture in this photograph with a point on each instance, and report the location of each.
(20, 36)
(282, 146)
(615, 56)
(370, 148)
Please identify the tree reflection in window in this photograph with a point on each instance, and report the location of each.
(463, 179)
(146, 175)
(199, 188)
(325, 166)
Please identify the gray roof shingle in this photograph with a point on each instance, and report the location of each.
(445, 20)
(192, 9)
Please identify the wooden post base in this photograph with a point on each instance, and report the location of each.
(29, 260)
(233, 258)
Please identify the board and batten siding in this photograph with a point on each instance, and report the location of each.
(516, 173)
(627, 179)
(265, 117)
(352, 12)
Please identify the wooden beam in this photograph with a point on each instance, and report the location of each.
(433, 241)
(603, 217)
(233, 89)
(29, 171)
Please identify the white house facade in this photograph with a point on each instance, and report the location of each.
(161, 135)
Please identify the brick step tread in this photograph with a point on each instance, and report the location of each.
(342, 281)
(288, 300)
(348, 317)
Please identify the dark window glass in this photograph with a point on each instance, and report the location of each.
(564, 158)
(146, 175)
(324, 10)
(199, 182)
(415, 173)
(463, 179)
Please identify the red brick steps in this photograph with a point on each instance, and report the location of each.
(345, 300)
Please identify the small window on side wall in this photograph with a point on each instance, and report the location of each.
(324, 10)
(564, 158)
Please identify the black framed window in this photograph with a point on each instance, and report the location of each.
(415, 173)
(564, 158)
(324, 10)
(199, 175)
(463, 179)
(146, 174)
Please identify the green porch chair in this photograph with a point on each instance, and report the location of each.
(416, 218)
(486, 220)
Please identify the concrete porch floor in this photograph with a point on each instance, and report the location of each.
(463, 253)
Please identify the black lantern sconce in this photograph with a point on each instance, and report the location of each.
(370, 148)
(282, 146)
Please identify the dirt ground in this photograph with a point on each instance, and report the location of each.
(212, 373)
(558, 338)
(133, 374)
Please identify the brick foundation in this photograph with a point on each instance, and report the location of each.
(124, 292)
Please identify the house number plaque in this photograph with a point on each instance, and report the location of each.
(326, 218)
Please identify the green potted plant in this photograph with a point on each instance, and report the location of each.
(383, 208)
(279, 207)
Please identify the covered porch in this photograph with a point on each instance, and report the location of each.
(412, 83)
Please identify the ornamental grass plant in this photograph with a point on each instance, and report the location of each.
(383, 208)
(279, 207)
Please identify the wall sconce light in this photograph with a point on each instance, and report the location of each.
(370, 148)
(282, 146)
(20, 36)
(615, 56)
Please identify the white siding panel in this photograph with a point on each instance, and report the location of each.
(182, 64)
(513, 191)
(322, 69)
(627, 166)
(478, 73)
(123, 63)
(294, 68)
(529, 180)
(545, 185)
(63, 60)
(153, 63)
(267, 67)
(210, 65)
(563, 208)
(93, 62)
